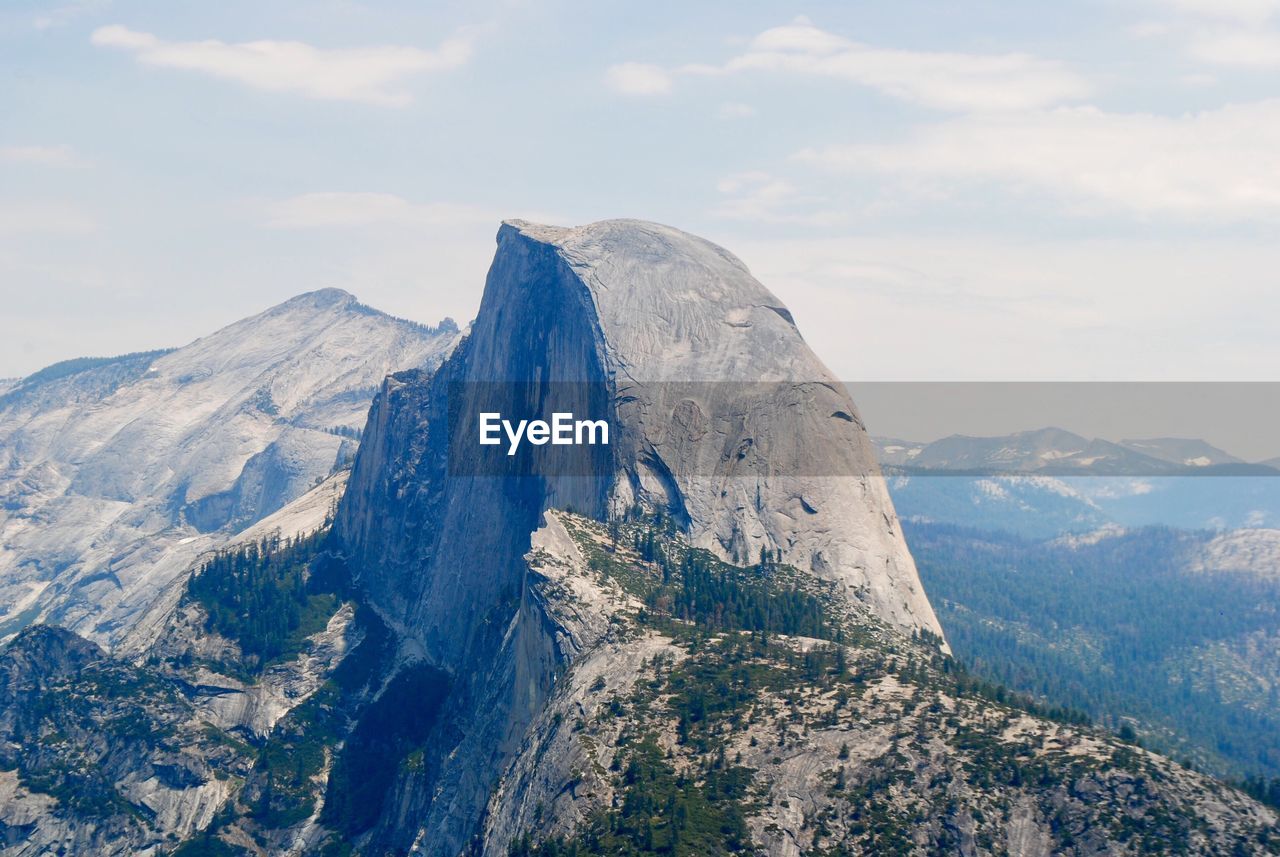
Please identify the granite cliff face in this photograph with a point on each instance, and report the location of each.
(725, 419)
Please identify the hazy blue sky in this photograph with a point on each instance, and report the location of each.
(946, 190)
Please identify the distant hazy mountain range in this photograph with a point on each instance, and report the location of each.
(1054, 451)
(1048, 482)
(1136, 580)
(1172, 631)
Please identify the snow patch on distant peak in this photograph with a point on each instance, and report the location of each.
(325, 297)
(1079, 540)
(1250, 551)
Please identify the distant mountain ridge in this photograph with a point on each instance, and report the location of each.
(1135, 580)
(1047, 482)
(65, 368)
(118, 472)
(1054, 451)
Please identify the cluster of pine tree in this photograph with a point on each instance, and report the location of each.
(1267, 791)
(697, 587)
(258, 595)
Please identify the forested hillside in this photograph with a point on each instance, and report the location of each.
(1124, 627)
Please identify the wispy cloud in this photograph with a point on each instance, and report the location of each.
(1238, 33)
(60, 155)
(735, 110)
(1212, 165)
(1021, 307)
(1242, 47)
(23, 218)
(1247, 11)
(356, 209)
(944, 80)
(764, 198)
(636, 78)
(60, 16)
(371, 75)
(340, 209)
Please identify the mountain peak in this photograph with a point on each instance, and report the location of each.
(320, 299)
(623, 237)
(181, 448)
(52, 650)
(704, 316)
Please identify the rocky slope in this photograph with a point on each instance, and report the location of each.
(117, 474)
(200, 730)
(698, 735)
(1247, 552)
(100, 757)
(697, 708)
(1171, 632)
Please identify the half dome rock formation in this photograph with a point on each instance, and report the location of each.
(735, 424)
(724, 417)
(724, 423)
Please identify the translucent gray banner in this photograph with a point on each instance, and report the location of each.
(814, 429)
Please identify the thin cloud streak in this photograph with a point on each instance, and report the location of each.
(635, 78)
(60, 155)
(337, 209)
(1216, 165)
(360, 209)
(1229, 33)
(757, 196)
(370, 75)
(56, 218)
(946, 80)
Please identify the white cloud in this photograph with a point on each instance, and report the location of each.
(336, 209)
(760, 197)
(1222, 32)
(60, 16)
(354, 210)
(943, 80)
(372, 75)
(635, 78)
(976, 306)
(1219, 164)
(44, 217)
(60, 155)
(1247, 11)
(735, 110)
(1242, 47)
